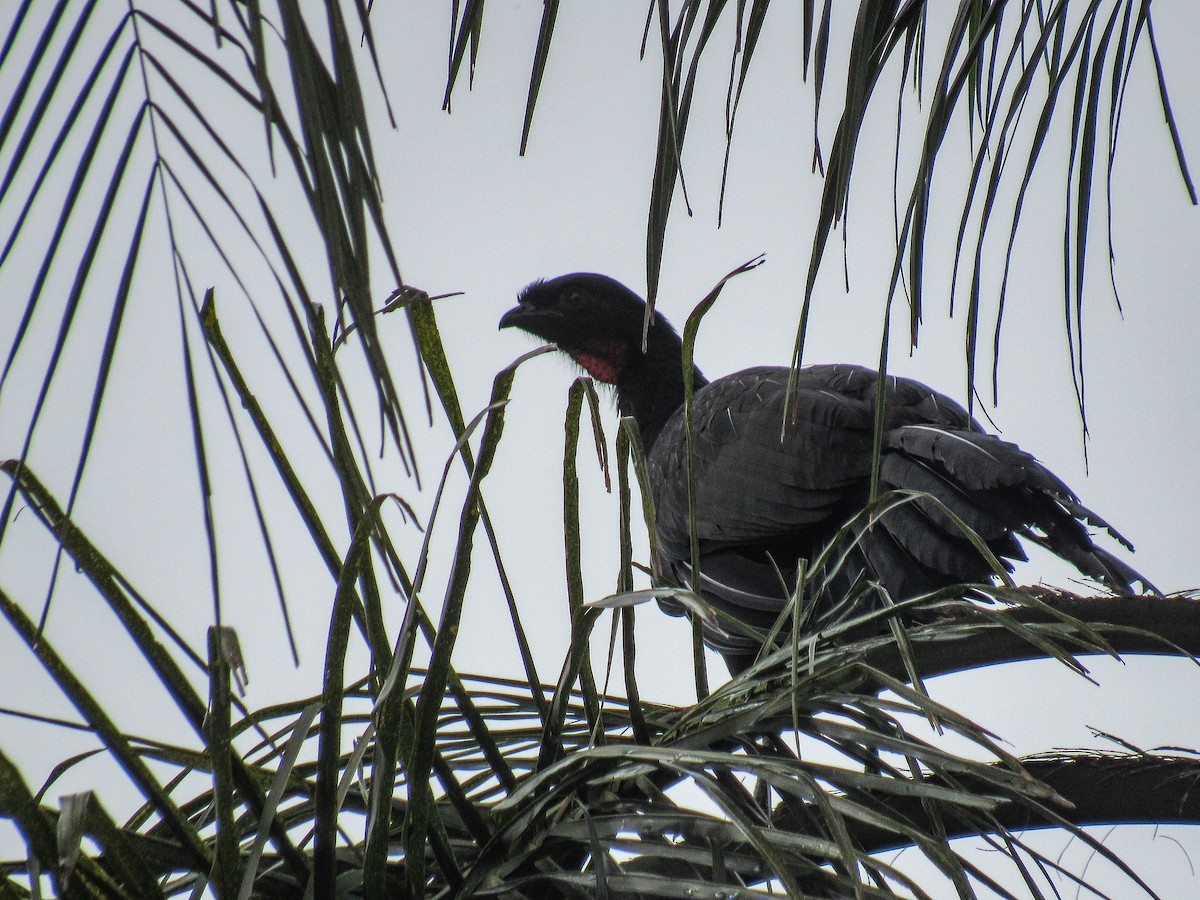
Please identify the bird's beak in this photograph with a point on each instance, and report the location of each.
(514, 317)
(527, 317)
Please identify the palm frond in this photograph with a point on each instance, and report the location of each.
(992, 65)
(614, 806)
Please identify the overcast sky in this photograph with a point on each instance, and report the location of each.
(467, 214)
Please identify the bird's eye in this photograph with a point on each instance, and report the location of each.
(573, 299)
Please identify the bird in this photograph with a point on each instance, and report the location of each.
(782, 465)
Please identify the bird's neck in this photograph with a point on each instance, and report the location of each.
(651, 384)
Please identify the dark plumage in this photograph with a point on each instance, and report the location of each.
(772, 489)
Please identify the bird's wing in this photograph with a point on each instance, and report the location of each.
(999, 491)
(768, 465)
(755, 479)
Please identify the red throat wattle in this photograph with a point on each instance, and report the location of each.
(602, 363)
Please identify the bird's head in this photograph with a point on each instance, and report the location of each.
(593, 318)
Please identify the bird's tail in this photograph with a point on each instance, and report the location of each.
(997, 490)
